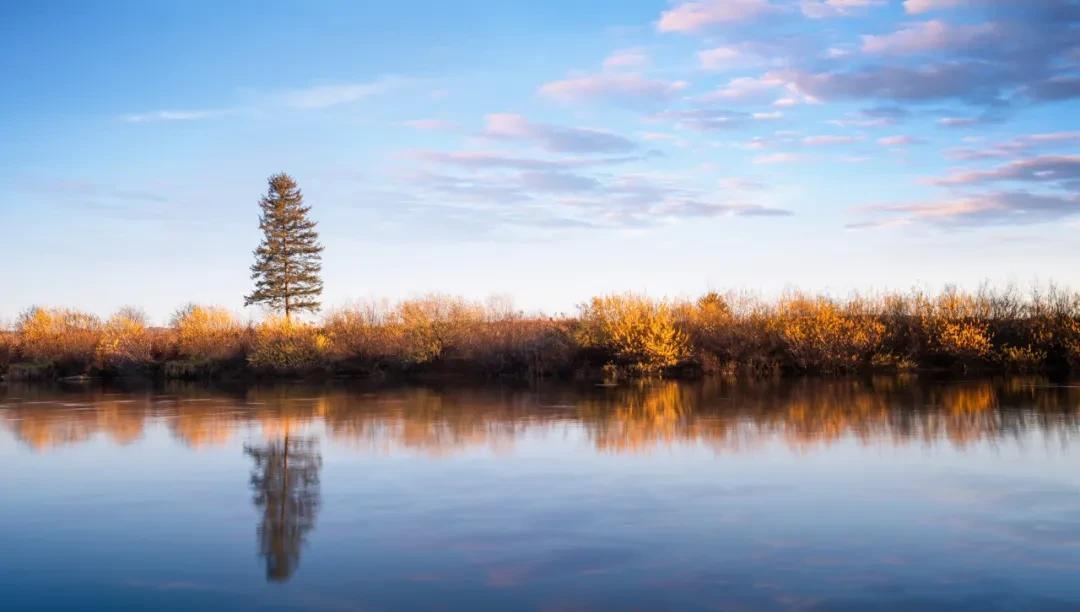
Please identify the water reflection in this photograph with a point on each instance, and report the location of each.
(285, 481)
(764, 495)
(726, 416)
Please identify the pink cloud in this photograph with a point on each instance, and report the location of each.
(701, 15)
(626, 58)
(928, 36)
(1046, 168)
(897, 141)
(719, 58)
(916, 7)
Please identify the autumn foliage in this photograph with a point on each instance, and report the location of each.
(626, 333)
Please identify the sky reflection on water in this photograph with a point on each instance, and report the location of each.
(833, 495)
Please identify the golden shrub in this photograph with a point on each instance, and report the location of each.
(820, 334)
(125, 340)
(962, 339)
(60, 336)
(1021, 358)
(430, 325)
(360, 332)
(209, 333)
(635, 330)
(287, 345)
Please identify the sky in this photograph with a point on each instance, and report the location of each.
(541, 151)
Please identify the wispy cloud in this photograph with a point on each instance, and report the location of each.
(818, 9)
(829, 139)
(506, 126)
(325, 96)
(917, 7)
(706, 119)
(1043, 169)
(720, 58)
(431, 125)
(971, 211)
(899, 140)
(632, 90)
(931, 37)
(177, 115)
(1017, 146)
(492, 159)
(701, 15)
(626, 59)
(743, 89)
(778, 158)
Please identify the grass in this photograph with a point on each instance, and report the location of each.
(630, 334)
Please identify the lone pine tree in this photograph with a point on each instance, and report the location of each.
(288, 260)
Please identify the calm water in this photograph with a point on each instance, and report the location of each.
(840, 495)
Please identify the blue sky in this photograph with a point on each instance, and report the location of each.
(546, 151)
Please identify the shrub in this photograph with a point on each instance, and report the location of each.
(431, 325)
(635, 331)
(209, 333)
(361, 333)
(8, 346)
(284, 345)
(819, 334)
(1021, 358)
(954, 328)
(65, 338)
(125, 341)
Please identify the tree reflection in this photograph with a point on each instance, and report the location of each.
(285, 480)
(724, 414)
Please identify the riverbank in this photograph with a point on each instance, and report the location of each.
(611, 337)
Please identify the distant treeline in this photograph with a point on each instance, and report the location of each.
(615, 335)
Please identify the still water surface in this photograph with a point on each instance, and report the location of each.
(818, 495)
